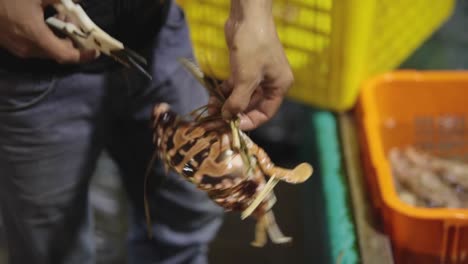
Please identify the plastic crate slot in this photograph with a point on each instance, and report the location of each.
(455, 249)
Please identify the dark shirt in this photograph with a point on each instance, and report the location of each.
(133, 22)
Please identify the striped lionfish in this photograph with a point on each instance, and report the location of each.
(223, 162)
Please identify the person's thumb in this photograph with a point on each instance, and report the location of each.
(61, 50)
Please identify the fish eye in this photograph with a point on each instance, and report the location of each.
(166, 118)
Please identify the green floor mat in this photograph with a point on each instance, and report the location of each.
(342, 239)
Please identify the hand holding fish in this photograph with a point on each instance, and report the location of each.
(260, 72)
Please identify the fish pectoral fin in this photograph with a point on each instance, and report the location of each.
(301, 173)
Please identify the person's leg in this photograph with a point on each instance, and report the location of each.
(48, 149)
(185, 220)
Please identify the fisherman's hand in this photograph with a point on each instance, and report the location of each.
(260, 72)
(24, 32)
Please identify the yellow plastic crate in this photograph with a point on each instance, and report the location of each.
(332, 45)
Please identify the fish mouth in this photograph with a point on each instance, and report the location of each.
(159, 109)
(162, 116)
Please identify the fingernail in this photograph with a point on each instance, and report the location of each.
(245, 125)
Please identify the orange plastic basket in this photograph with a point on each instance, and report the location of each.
(391, 109)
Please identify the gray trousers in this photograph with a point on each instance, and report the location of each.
(53, 129)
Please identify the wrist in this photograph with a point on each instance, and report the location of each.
(242, 10)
